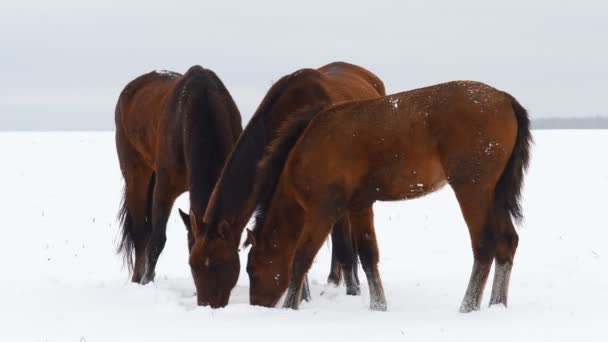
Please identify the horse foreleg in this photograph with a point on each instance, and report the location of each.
(292, 293)
(296, 292)
(315, 233)
(306, 289)
(362, 223)
(299, 289)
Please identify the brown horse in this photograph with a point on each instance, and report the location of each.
(214, 259)
(467, 134)
(173, 134)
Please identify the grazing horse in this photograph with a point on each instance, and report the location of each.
(173, 134)
(214, 260)
(467, 134)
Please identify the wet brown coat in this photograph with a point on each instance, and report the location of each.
(214, 261)
(173, 134)
(402, 146)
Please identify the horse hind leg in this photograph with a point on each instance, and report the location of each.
(134, 212)
(136, 227)
(362, 223)
(162, 201)
(335, 270)
(476, 208)
(343, 254)
(507, 242)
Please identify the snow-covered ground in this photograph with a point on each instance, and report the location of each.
(61, 280)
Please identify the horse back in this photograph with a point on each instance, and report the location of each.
(353, 80)
(423, 136)
(425, 116)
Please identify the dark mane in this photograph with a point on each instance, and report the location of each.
(236, 181)
(236, 184)
(211, 127)
(271, 166)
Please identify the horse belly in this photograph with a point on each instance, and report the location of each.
(410, 179)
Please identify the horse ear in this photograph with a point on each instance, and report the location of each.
(193, 226)
(250, 239)
(186, 219)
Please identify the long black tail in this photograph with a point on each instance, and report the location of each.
(509, 187)
(129, 232)
(271, 166)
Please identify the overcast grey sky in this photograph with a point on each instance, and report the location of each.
(65, 62)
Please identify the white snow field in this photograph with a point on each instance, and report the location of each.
(62, 281)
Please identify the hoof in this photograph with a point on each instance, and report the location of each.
(146, 279)
(291, 304)
(306, 296)
(138, 275)
(332, 280)
(353, 290)
(136, 279)
(375, 306)
(498, 305)
(467, 307)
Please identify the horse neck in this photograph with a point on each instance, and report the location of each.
(235, 196)
(281, 224)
